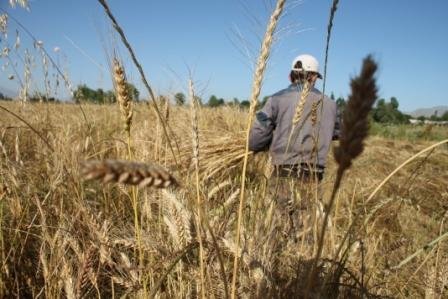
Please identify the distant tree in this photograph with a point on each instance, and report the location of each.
(341, 104)
(388, 112)
(444, 116)
(4, 98)
(40, 97)
(99, 96)
(109, 97)
(332, 96)
(84, 93)
(133, 91)
(381, 103)
(198, 100)
(394, 103)
(421, 118)
(215, 102)
(179, 98)
(245, 104)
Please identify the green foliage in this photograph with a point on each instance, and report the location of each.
(341, 104)
(39, 97)
(388, 112)
(409, 132)
(4, 98)
(198, 100)
(215, 102)
(179, 98)
(245, 104)
(444, 116)
(99, 96)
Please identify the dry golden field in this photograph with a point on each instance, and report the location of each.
(63, 236)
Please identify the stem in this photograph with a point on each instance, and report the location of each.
(312, 274)
(195, 143)
(258, 78)
(136, 221)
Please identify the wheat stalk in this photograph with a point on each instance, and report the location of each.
(195, 144)
(354, 131)
(127, 172)
(256, 87)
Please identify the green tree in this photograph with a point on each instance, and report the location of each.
(133, 91)
(179, 98)
(215, 102)
(4, 98)
(444, 117)
(198, 100)
(85, 93)
(388, 112)
(394, 103)
(109, 97)
(245, 104)
(435, 116)
(421, 118)
(341, 104)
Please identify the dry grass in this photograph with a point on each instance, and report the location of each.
(63, 236)
(384, 230)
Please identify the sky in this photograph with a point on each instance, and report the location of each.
(217, 42)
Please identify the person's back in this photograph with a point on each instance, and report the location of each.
(305, 141)
(297, 125)
(315, 126)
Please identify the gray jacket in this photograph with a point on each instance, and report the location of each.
(273, 124)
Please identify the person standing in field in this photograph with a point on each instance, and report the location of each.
(296, 125)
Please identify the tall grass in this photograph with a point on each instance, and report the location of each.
(64, 232)
(80, 235)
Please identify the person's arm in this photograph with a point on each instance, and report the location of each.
(262, 130)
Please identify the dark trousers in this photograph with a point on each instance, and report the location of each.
(295, 192)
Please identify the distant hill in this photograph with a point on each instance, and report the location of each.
(427, 112)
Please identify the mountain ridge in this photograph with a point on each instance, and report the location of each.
(428, 112)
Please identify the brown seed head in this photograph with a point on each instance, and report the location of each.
(355, 124)
(127, 172)
(122, 93)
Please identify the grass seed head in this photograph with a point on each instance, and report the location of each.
(122, 93)
(355, 124)
(127, 172)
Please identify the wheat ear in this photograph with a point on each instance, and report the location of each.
(258, 78)
(126, 172)
(142, 74)
(299, 111)
(122, 93)
(354, 130)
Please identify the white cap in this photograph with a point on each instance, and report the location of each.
(309, 64)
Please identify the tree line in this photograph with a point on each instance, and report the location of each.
(387, 112)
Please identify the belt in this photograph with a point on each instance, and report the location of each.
(302, 171)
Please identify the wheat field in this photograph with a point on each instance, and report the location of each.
(152, 200)
(64, 236)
